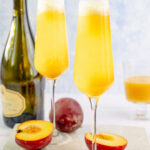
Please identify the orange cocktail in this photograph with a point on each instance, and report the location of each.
(137, 89)
(51, 51)
(93, 72)
(93, 69)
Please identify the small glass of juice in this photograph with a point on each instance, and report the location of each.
(137, 86)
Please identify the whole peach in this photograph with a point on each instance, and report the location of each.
(69, 114)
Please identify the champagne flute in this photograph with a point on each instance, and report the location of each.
(93, 70)
(51, 51)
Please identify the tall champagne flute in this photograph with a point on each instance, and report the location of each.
(93, 70)
(51, 52)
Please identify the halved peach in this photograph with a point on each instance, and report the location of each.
(106, 141)
(34, 134)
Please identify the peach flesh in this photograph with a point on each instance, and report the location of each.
(110, 138)
(34, 135)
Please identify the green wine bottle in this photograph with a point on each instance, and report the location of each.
(21, 85)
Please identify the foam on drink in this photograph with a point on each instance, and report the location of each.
(51, 5)
(97, 7)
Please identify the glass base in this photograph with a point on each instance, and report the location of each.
(141, 112)
(60, 138)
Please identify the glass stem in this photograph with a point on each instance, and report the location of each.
(141, 111)
(55, 132)
(93, 102)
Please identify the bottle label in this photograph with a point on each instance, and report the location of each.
(13, 103)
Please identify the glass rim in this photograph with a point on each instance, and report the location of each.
(94, 0)
(136, 60)
(104, 2)
(43, 5)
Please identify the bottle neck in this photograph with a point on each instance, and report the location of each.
(20, 6)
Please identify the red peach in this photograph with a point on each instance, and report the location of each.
(69, 115)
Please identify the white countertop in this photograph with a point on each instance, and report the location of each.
(112, 110)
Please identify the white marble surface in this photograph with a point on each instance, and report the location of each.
(137, 138)
(112, 110)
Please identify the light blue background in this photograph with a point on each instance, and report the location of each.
(130, 24)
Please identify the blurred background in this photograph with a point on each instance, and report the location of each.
(130, 26)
